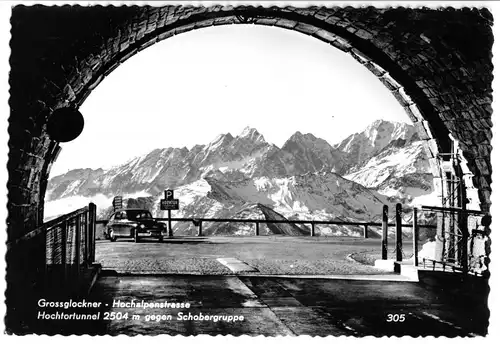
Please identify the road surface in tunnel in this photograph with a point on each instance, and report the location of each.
(267, 306)
(268, 255)
(152, 288)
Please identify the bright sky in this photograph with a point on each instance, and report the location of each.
(189, 88)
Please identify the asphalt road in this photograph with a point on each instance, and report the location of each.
(271, 307)
(359, 301)
(275, 255)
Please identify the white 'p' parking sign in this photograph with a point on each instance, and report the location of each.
(169, 194)
(169, 203)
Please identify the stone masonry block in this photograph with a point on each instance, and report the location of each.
(483, 167)
(324, 35)
(285, 23)
(374, 68)
(341, 44)
(423, 130)
(432, 149)
(305, 28)
(364, 34)
(266, 21)
(389, 82)
(401, 100)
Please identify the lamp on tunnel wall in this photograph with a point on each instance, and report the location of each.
(65, 124)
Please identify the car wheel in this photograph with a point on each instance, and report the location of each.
(112, 237)
(136, 236)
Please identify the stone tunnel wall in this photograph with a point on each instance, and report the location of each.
(437, 63)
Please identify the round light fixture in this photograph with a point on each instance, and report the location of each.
(65, 124)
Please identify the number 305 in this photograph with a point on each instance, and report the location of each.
(395, 317)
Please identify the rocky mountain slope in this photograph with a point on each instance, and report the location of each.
(247, 155)
(312, 196)
(359, 147)
(244, 175)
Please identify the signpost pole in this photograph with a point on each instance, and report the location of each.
(169, 204)
(170, 234)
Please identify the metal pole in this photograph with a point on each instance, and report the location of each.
(64, 241)
(256, 228)
(200, 228)
(399, 232)
(463, 221)
(93, 211)
(77, 248)
(170, 233)
(385, 220)
(44, 256)
(415, 237)
(86, 238)
(365, 231)
(312, 229)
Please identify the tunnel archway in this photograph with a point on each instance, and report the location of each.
(442, 77)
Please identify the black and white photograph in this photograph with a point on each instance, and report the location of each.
(305, 169)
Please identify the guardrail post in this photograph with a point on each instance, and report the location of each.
(200, 228)
(385, 220)
(312, 229)
(399, 232)
(365, 231)
(256, 228)
(415, 237)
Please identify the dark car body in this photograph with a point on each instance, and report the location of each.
(134, 223)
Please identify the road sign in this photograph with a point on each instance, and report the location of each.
(169, 204)
(169, 194)
(117, 202)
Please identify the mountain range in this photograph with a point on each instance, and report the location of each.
(244, 176)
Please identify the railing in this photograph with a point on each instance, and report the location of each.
(198, 222)
(462, 240)
(59, 251)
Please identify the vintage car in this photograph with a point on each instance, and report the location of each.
(134, 223)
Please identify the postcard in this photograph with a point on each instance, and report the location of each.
(223, 168)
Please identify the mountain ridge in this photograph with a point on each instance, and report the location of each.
(386, 162)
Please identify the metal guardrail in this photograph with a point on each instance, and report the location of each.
(199, 223)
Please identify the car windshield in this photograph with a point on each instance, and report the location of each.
(138, 214)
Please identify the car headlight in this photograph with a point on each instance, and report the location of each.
(141, 226)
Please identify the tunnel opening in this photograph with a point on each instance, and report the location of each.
(194, 228)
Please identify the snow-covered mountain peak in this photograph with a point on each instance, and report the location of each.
(376, 137)
(220, 141)
(385, 156)
(249, 132)
(300, 137)
(382, 132)
(251, 135)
